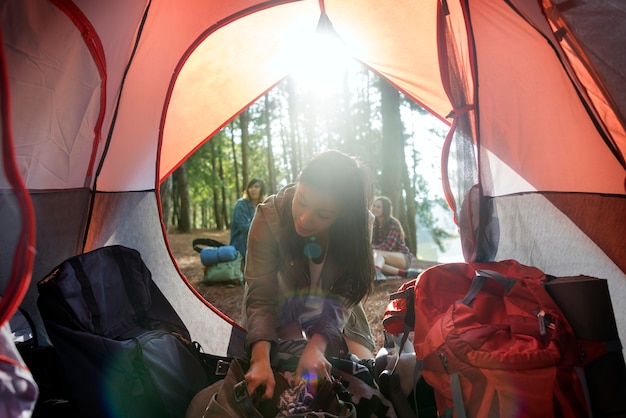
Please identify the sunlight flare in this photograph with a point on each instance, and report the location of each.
(318, 61)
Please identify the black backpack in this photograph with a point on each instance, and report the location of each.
(123, 349)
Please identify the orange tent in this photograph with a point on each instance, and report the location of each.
(102, 100)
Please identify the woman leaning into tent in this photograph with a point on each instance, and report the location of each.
(309, 266)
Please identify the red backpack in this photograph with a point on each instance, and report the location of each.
(492, 341)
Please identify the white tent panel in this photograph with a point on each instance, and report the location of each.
(536, 233)
(57, 88)
(116, 27)
(500, 173)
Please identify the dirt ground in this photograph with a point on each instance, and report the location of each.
(228, 298)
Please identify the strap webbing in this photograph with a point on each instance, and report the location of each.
(129, 282)
(457, 395)
(400, 402)
(88, 295)
(479, 281)
(583, 382)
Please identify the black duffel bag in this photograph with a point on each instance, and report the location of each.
(123, 349)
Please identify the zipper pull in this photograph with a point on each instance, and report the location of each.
(541, 316)
(444, 360)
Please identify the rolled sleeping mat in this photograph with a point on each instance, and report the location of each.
(210, 256)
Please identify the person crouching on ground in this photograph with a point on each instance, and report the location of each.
(309, 267)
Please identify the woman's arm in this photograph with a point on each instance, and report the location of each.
(260, 303)
(313, 364)
(241, 220)
(325, 338)
(262, 292)
(330, 325)
(260, 373)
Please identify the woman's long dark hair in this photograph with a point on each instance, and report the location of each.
(348, 181)
(252, 183)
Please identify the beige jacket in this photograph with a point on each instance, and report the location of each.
(273, 278)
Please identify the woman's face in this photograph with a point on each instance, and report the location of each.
(313, 211)
(377, 208)
(254, 191)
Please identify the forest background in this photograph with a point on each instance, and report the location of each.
(352, 110)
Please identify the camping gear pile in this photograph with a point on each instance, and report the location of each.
(102, 101)
(350, 391)
(222, 263)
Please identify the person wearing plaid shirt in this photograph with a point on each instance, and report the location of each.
(391, 254)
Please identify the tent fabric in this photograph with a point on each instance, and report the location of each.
(108, 98)
(597, 27)
(59, 233)
(504, 43)
(60, 87)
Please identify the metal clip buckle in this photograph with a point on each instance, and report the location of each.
(222, 367)
(240, 391)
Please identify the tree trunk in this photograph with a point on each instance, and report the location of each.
(165, 193)
(411, 212)
(348, 118)
(184, 211)
(271, 169)
(293, 129)
(235, 164)
(284, 141)
(310, 137)
(224, 209)
(194, 215)
(205, 215)
(393, 159)
(219, 223)
(244, 120)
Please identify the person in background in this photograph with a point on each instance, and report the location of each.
(392, 257)
(309, 267)
(243, 214)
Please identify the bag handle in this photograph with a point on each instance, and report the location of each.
(409, 295)
(479, 281)
(88, 294)
(33, 327)
(199, 243)
(127, 272)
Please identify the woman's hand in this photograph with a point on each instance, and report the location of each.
(260, 373)
(313, 365)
